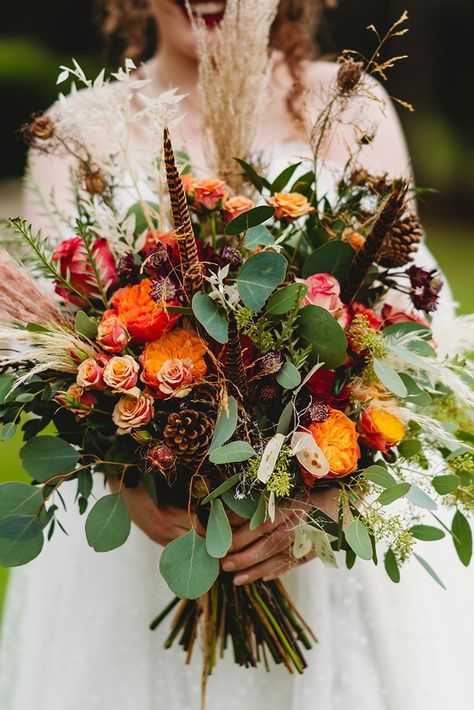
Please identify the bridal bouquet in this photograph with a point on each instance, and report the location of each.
(235, 346)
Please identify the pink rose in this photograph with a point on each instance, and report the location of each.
(74, 265)
(209, 194)
(132, 412)
(90, 374)
(112, 334)
(324, 291)
(236, 206)
(174, 374)
(77, 400)
(121, 373)
(392, 316)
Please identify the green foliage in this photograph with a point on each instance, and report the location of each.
(391, 566)
(256, 180)
(334, 258)
(141, 223)
(211, 317)
(418, 497)
(259, 277)
(288, 377)
(260, 513)
(47, 456)
(245, 507)
(218, 531)
(282, 180)
(234, 452)
(225, 424)
(258, 236)
(21, 540)
(445, 484)
(389, 495)
(251, 218)
(319, 329)
(229, 483)
(427, 533)
(281, 478)
(379, 476)
(285, 299)
(462, 537)
(409, 448)
(18, 498)
(389, 378)
(258, 329)
(187, 567)
(85, 325)
(108, 523)
(428, 568)
(358, 539)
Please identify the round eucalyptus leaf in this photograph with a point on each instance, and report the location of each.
(259, 277)
(19, 499)
(359, 540)
(319, 329)
(218, 531)
(251, 218)
(211, 317)
(108, 523)
(288, 377)
(46, 456)
(334, 258)
(21, 540)
(187, 567)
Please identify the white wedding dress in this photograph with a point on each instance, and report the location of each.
(75, 633)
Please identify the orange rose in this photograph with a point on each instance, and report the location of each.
(290, 205)
(155, 237)
(174, 361)
(209, 194)
(380, 430)
(77, 400)
(121, 373)
(189, 182)
(132, 412)
(337, 439)
(144, 319)
(236, 206)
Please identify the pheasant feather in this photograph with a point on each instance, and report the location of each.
(234, 368)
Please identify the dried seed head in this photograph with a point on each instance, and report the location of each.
(163, 289)
(95, 182)
(317, 411)
(160, 457)
(349, 75)
(232, 257)
(40, 128)
(271, 363)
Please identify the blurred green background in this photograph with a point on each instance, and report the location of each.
(35, 38)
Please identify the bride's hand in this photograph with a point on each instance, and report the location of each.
(162, 524)
(265, 553)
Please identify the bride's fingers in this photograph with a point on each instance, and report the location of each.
(278, 564)
(266, 546)
(278, 571)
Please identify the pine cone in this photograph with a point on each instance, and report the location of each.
(188, 434)
(402, 242)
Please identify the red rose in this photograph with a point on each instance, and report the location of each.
(321, 385)
(392, 316)
(74, 265)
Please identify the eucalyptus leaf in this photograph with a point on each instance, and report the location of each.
(86, 326)
(285, 299)
(259, 277)
(230, 483)
(408, 328)
(140, 221)
(19, 499)
(211, 316)
(258, 518)
(389, 378)
(427, 533)
(21, 540)
(358, 538)
(391, 566)
(8, 431)
(258, 236)
(6, 383)
(416, 394)
(245, 507)
(235, 452)
(446, 484)
(218, 531)
(389, 495)
(409, 448)
(286, 419)
(108, 523)
(225, 424)
(187, 567)
(334, 258)
(418, 497)
(319, 329)
(46, 456)
(379, 476)
(288, 377)
(462, 537)
(251, 218)
(426, 566)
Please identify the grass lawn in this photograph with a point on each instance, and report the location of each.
(454, 249)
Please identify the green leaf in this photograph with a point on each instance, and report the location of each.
(390, 379)
(334, 258)
(416, 395)
(6, 383)
(409, 448)
(351, 558)
(218, 531)
(358, 539)
(211, 317)
(427, 533)
(282, 180)
(257, 180)
(258, 236)
(260, 513)
(389, 495)
(426, 566)
(245, 507)
(286, 419)
(304, 185)
(445, 484)
(234, 452)
(259, 277)
(225, 424)
(407, 328)
(187, 567)
(462, 537)
(285, 299)
(418, 497)
(140, 222)
(21, 540)
(391, 566)
(251, 218)
(108, 523)
(46, 456)
(379, 476)
(288, 377)
(319, 329)
(19, 499)
(230, 483)
(8, 431)
(86, 326)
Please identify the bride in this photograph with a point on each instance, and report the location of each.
(75, 633)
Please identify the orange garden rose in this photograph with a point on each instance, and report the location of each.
(380, 429)
(236, 206)
(174, 361)
(290, 205)
(337, 439)
(132, 412)
(209, 194)
(144, 319)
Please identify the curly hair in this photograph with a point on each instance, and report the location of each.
(132, 23)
